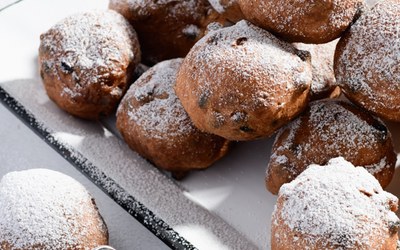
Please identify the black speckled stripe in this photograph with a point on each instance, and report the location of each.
(139, 211)
(3, 7)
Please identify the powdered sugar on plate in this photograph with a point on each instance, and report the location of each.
(323, 77)
(136, 176)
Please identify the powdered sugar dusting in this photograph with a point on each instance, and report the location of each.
(253, 52)
(244, 81)
(220, 6)
(336, 120)
(377, 167)
(368, 64)
(323, 78)
(93, 47)
(338, 205)
(335, 130)
(191, 30)
(159, 113)
(303, 19)
(145, 7)
(43, 207)
(277, 156)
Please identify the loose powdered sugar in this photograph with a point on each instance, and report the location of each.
(220, 6)
(323, 78)
(191, 30)
(41, 207)
(337, 204)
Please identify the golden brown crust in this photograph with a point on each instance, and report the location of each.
(166, 29)
(326, 130)
(243, 83)
(87, 62)
(366, 61)
(153, 123)
(302, 21)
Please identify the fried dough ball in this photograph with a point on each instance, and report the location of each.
(326, 130)
(153, 123)
(337, 206)
(243, 83)
(87, 61)
(45, 209)
(367, 64)
(166, 29)
(317, 21)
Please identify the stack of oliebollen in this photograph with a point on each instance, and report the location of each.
(228, 70)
